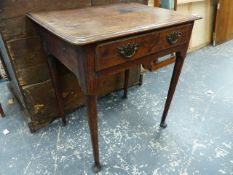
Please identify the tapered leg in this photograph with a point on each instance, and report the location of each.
(93, 126)
(175, 77)
(126, 84)
(56, 86)
(140, 80)
(1, 111)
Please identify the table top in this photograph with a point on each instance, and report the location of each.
(93, 24)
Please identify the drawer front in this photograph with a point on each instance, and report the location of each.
(124, 50)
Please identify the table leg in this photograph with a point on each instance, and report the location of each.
(175, 77)
(1, 111)
(55, 82)
(126, 84)
(140, 80)
(93, 126)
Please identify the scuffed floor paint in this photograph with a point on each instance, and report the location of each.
(197, 141)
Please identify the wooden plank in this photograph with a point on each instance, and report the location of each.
(14, 24)
(41, 101)
(224, 22)
(26, 52)
(17, 28)
(33, 74)
(29, 61)
(10, 70)
(12, 9)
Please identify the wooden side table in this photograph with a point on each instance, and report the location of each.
(99, 41)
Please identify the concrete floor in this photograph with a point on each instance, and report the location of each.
(198, 139)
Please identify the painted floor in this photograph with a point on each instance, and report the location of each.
(197, 141)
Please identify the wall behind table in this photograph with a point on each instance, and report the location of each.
(203, 29)
(28, 61)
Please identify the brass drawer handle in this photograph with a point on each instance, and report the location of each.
(173, 37)
(129, 50)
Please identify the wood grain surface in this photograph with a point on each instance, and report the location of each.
(88, 25)
(148, 44)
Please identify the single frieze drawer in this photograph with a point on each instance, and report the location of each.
(110, 54)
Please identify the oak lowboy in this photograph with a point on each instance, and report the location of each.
(96, 42)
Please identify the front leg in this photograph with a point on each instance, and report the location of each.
(93, 126)
(180, 56)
